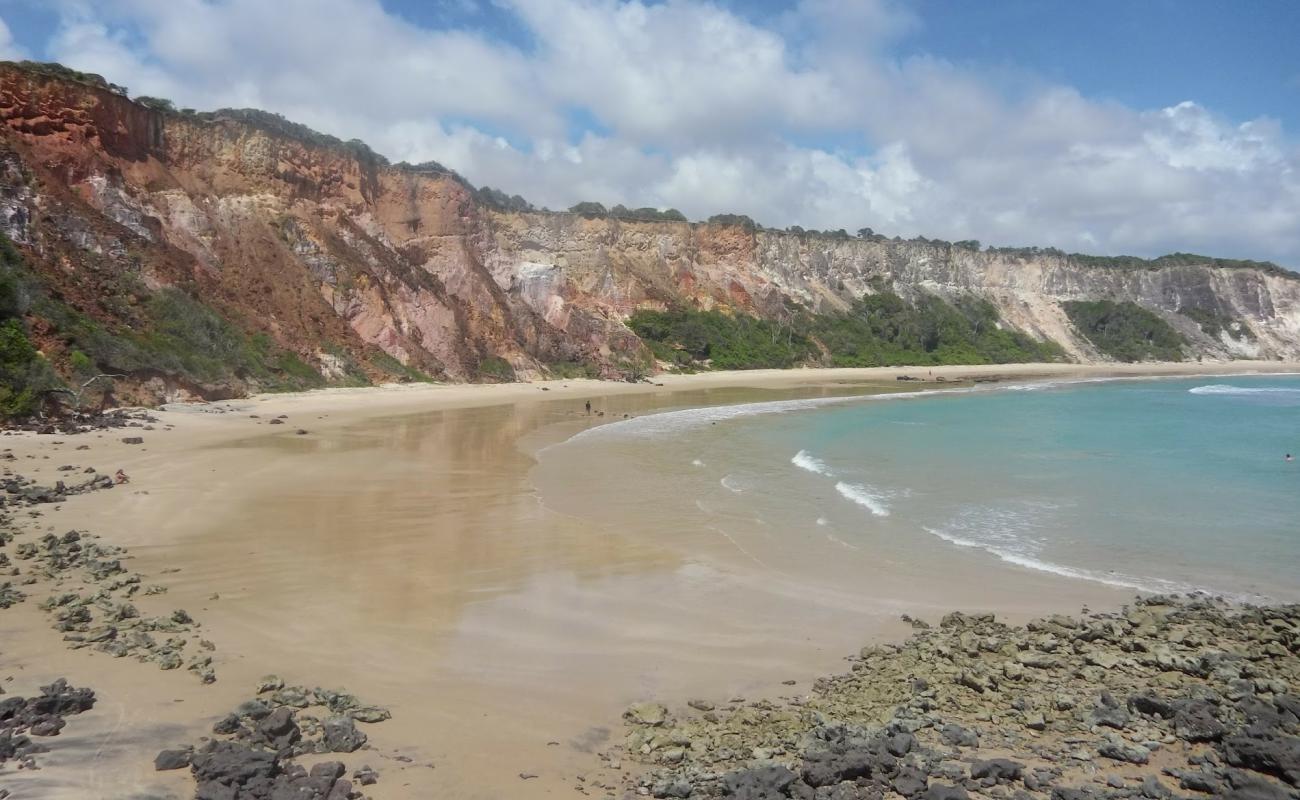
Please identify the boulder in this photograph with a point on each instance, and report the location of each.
(999, 769)
(340, 735)
(653, 714)
(759, 783)
(172, 759)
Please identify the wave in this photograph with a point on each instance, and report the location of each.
(1245, 391)
(730, 483)
(805, 460)
(1021, 559)
(871, 499)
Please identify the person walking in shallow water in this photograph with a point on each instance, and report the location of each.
(588, 408)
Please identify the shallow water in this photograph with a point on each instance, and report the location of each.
(1155, 485)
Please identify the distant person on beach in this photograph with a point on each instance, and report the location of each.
(121, 477)
(588, 407)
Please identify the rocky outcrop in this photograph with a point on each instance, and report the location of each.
(367, 270)
(1169, 698)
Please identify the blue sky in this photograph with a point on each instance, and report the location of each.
(1100, 126)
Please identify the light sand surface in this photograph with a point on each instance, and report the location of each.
(401, 549)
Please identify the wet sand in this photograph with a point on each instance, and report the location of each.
(401, 549)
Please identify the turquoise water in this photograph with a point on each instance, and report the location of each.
(1157, 485)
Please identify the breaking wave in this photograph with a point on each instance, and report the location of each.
(865, 496)
(1244, 391)
(805, 460)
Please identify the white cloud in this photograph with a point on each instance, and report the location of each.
(9, 49)
(709, 112)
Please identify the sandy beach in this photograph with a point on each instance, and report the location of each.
(393, 541)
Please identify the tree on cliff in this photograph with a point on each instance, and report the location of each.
(589, 209)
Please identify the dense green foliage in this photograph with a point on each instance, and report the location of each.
(647, 214)
(592, 210)
(404, 373)
(498, 199)
(687, 337)
(180, 336)
(496, 368)
(1213, 323)
(1125, 331)
(1136, 263)
(157, 104)
(24, 373)
(734, 219)
(881, 329)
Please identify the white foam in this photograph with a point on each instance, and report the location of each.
(1244, 391)
(822, 521)
(730, 483)
(1143, 584)
(865, 496)
(805, 460)
(697, 463)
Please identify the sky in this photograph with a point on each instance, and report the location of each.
(1111, 126)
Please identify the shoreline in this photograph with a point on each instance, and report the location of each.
(194, 479)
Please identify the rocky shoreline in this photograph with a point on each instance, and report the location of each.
(88, 599)
(1170, 697)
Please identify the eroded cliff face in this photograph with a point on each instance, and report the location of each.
(344, 259)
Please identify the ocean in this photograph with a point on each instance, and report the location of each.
(1150, 485)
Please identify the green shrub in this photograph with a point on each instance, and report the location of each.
(883, 329)
(572, 369)
(403, 372)
(589, 210)
(1125, 331)
(684, 336)
(497, 369)
(24, 374)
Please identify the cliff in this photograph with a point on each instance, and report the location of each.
(319, 253)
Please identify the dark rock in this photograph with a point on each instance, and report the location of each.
(172, 759)
(1120, 751)
(900, 744)
(1277, 755)
(1000, 769)
(279, 730)
(1244, 786)
(939, 791)
(909, 782)
(759, 783)
(133, 440)
(329, 770)
(233, 764)
(226, 725)
(1197, 721)
(47, 726)
(59, 698)
(341, 735)
(673, 788)
(366, 776)
(957, 736)
(1110, 717)
(829, 767)
(1151, 705)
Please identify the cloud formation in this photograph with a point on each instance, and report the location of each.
(808, 118)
